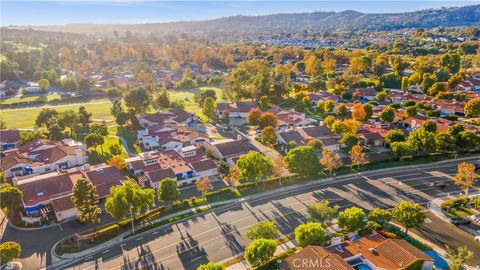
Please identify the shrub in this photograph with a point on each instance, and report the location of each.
(108, 232)
(245, 185)
(218, 192)
(452, 204)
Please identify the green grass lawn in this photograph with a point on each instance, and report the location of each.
(100, 108)
(102, 152)
(25, 117)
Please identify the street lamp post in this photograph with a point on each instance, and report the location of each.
(131, 216)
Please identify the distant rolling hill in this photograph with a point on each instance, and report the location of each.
(287, 23)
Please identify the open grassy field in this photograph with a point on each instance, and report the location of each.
(14, 100)
(100, 108)
(25, 117)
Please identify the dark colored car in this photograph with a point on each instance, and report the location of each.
(459, 221)
(439, 184)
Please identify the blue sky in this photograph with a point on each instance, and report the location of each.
(125, 11)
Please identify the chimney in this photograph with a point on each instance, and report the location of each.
(79, 155)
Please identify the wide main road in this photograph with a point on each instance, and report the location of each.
(220, 234)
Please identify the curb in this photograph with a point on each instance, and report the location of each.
(252, 198)
(110, 243)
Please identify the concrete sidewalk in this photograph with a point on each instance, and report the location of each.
(58, 261)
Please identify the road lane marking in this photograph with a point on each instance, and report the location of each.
(315, 187)
(106, 251)
(198, 258)
(140, 238)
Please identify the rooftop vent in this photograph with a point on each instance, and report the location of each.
(373, 251)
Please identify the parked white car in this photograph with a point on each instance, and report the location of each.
(475, 218)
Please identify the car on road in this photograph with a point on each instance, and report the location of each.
(456, 220)
(475, 218)
(439, 184)
(477, 239)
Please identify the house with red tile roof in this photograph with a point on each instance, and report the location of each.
(373, 134)
(51, 193)
(372, 251)
(363, 93)
(42, 156)
(291, 118)
(447, 107)
(185, 166)
(174, 116)
(228, 151)
(239, 109)
(167, 130)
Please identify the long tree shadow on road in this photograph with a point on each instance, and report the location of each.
(146, 260)
(190, 253)
(230, 233)
(286, 217)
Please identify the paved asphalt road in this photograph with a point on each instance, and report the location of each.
(218, 235)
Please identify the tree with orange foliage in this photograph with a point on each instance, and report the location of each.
(204, 186)
(117, 161)
(253, 117)
(466, 176)
(358, 112)
(357, 156)
(233, 176)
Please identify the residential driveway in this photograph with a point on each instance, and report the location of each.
(36, 243)
(191, 191)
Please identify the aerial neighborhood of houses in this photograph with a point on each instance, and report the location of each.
(241, 151)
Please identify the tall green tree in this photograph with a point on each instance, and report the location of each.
(310, 233)
(11, 197)
(351, 219)
(421, 140)
(163, 99)
(302, 160)
(401, 149)
(254, 166)
(457, 257)
(137, 100)
(472, 108)
(209, 107)
(94, 140)
(380, 216)
(388, 114)
(260, 251)
(322, 211)
(394, 135)
(84, 199)
(168, 190)
(263, 230)
(128, 196)
(9, 251)
(44, 85)
(409, 214)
